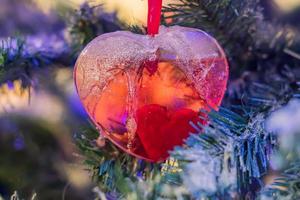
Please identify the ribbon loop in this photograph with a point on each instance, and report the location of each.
(154, 12)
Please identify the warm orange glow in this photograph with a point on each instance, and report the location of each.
(168, 87)
(112, 104)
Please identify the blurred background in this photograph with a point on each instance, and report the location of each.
(40, 112)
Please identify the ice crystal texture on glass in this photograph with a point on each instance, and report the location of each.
(142, 91)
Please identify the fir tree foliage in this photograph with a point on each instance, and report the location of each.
(286, 186)
(88, 22)
(241, 28)
(20, 58)
(15, 62)
(227, 159)
(230, 157)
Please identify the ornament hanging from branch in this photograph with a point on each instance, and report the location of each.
(143, 91)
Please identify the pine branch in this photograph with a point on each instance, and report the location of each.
(88, 22)
(229, 21)
(240, 133)
(108, 164)
(17, 63)
(285, 187)
(232, 140)
(235, 142)
(274, 90)
(235, 145)
(240, 27)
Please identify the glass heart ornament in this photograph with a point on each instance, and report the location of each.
(143, 92)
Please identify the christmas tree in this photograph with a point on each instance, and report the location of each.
(56, 142)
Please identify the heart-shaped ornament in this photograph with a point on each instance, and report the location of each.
(142, 92)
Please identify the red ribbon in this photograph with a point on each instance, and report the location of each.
(154, 12)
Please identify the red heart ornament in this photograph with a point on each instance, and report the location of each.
(142, 92)
(168, 128)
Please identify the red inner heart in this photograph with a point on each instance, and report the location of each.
(161, 130)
